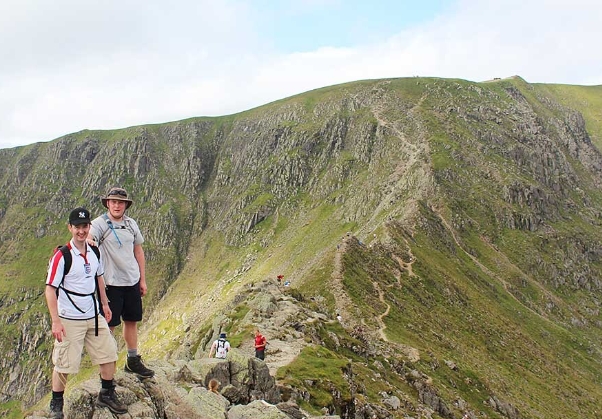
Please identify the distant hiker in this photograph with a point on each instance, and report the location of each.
(260, 343)
(213, 385)
(120, 242)
(339, 318)
(279, 278)
(220, 347)
(71, 295)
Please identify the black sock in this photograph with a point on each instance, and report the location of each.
(57, 394)
(106, 384)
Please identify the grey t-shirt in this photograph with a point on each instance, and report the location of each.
(117, 248)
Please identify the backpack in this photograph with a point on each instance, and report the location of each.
(221, 350)
(66, 251)
(68, 260)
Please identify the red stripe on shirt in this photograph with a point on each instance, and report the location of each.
(54, 266)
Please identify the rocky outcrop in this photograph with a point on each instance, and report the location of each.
(179, 391)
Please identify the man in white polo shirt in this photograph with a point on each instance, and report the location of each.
(75, 273)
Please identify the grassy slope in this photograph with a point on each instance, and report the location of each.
(459, 312)
(523, 351)
(205, 283)
(450, 309)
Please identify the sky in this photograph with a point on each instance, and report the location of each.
(68, 65)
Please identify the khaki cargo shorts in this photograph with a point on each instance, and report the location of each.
(67, 355)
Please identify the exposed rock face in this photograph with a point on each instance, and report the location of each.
(504, 408)
(178, 392)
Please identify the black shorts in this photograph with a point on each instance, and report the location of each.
(125, 303)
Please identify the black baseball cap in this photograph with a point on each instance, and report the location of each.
(79, 216)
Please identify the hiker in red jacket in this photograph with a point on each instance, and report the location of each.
(260, 343)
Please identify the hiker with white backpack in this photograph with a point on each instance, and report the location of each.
(220, 347)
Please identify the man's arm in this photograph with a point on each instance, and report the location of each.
(58, 331)
(139, 255)
(212, 351)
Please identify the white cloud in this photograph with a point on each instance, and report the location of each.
(69, 65)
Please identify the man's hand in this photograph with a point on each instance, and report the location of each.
(108, 315)
(58, 331)
(143, 288)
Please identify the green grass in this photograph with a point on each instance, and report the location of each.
(453, 310)
(237, 331)
(11, 410)
(318, 370)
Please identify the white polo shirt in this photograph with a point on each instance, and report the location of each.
(80, 279)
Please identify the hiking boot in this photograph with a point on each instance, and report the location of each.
(135, 366)
(108, 398)
(56, 409)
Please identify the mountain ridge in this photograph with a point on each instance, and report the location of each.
(456, 192)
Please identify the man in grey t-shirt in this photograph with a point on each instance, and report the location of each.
(120, 242)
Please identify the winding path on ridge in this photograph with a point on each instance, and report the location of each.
(379, 319)
(407, 266)
(344, 304)
(342, 301)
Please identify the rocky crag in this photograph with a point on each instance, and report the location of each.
(454, 226)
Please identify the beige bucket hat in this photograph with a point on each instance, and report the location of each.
(118, 194)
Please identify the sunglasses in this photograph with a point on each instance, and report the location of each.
(119, 192)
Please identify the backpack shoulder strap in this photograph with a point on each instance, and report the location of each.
(107, 232)
(128, 225)
(96, 251)
(66, 251)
